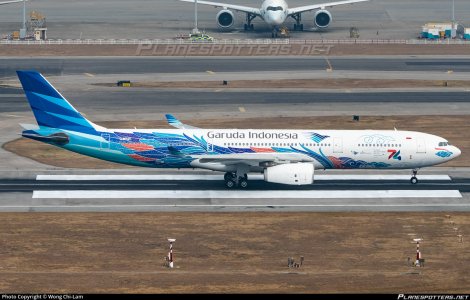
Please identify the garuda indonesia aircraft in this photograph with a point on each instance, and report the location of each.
(275, 13)
(283, 156)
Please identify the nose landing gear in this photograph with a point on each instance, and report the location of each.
(414, 179)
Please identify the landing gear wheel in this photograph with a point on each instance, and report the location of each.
(229, 176)
(414, 180)
(230, 184)
(301, 27)
(243, 183)
(295, 27)
(252, 27)
(272, 35)
(245, 27)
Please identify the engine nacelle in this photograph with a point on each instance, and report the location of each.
(225, 18)
(322, 18)
(292, 174)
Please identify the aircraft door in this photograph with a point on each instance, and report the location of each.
(104, 144)
(209, 146)
(421, 145)
(338, 145)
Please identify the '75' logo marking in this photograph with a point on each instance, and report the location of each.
(394, 154)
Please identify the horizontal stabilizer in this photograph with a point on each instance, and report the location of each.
(30, 126)
(173, 121)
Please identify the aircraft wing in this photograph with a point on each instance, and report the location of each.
(301, 9)
(253, 158)
(8, 2)
(241, 8)
(172, 121)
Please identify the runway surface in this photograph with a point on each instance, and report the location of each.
(139, 65)
(204, 185)
(190, 193)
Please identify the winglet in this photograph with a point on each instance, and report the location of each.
(173, 121)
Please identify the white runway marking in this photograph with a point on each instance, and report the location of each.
(220, 177)
(238, 194)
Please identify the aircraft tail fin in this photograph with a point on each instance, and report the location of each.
(50, 108)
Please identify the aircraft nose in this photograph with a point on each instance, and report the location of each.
(276, 19)
(457, 152)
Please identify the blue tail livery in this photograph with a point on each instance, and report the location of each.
(50, 108)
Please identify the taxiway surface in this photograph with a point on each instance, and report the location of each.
(140, 65)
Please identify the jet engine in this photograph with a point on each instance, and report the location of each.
(225, 18)
(292, 174)
(322, 18)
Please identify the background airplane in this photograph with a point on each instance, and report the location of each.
(274, 13)
(9, 2)
(283, 156)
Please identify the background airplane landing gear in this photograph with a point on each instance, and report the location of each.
(299, 27)
(274, 34)
(249, 27)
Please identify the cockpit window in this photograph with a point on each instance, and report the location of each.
(443, 144)
(274, 8)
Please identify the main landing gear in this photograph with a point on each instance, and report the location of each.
(414, 179)
(231, 181)
(248, 26)
(298, 26)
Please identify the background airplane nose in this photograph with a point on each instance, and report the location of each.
(457, 152)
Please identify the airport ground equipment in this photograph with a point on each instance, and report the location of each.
(441, 30)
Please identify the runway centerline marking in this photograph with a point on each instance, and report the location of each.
(243, 194)
(183, 177)
(242, 109)
(88, 74)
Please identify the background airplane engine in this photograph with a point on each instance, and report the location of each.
(292, 174)
(225, 18)
(322, 18)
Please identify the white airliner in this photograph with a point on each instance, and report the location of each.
(275, 13)
(283, 156)
(9, 2)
